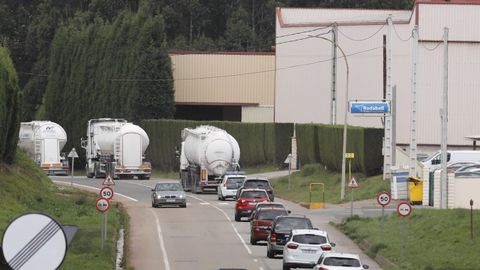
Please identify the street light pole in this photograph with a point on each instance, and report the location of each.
(344, 146)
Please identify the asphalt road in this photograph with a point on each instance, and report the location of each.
(204, 235)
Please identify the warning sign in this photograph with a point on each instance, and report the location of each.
(353, 183)
(108, 181)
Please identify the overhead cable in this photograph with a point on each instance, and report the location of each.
(361, 39)
(306, 31)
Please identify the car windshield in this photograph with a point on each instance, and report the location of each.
(270, 214)
(235, 182)
(257, 184)
(253, 194)
(311, 239)
(293, 223)
(168, 187)
(338, 261)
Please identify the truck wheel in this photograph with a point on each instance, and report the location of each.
(285, 267)
(89, 175)
(270, 253)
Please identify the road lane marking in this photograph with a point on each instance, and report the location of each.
(249, 251)
(84, 186)
(204, 203)
(162, 244)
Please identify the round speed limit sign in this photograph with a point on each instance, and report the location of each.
(384, 198)
(106, 192)
(404, 209)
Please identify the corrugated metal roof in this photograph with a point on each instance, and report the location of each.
(294, 17)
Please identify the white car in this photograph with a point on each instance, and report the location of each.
(229, 185)
(305, 247)
(339, 261)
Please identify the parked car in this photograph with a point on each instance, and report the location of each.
(229, 185)
(339, 261)
(247, 201)
(168, 193)
(281, 230)
(472, 170)
(258, 182)
(262, 220)
(305, 247)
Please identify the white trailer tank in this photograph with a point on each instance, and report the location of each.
(210, 147)
(44, 141)
(132, 141)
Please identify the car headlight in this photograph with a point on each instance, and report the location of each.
(181, 196)
(159, 196)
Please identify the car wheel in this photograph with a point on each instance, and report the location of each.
(222, 198)
(270, 253)
(285, 267)
(153, 205)
(252, 240)
(183, 206)
(237, 217)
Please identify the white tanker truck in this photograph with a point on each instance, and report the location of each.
(206, 154)
(117, 142)
(44, 141)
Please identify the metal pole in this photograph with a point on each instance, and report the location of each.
(387, 152)
(413, 106)
(403, 236)
(444, 117)
(382, 221)
(393, 109)
(471, 219)
(289, 169)
(333, 106)
(351, 202)
(102, 227)
(73, 165)
(350, 168)
(105, 214)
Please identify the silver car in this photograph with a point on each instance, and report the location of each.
(168, 193)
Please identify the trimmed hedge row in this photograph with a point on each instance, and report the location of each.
(10, 107)
(270, 143)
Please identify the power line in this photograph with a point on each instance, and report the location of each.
(430, 49)
(306, 31)
(300, 39)
(245, 73)
(396, 33)
(362, 39)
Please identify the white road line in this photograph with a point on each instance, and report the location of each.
(228, 218)
(162, 244)
(84, 186)
(204, 203)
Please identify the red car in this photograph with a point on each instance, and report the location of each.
(262, 220)
(247, 201)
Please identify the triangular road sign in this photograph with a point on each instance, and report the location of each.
(108, 181)
(353, 183)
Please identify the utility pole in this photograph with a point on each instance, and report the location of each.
(413, 106)
(387, 145)
(444, 117)
(333, 105)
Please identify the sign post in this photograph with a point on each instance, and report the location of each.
(73, 154)
(289, 161)
(352, 185)
(471, 219)
(102, 205)
(383, 199)
(404, 209)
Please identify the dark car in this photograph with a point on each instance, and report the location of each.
(261, 221)
(281, 230)
(247, 201)
(261, 183)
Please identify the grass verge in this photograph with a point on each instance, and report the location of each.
(433, 239)
(24, 188)
(299, 190)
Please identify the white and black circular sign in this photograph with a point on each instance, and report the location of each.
(102, 204)
(106, 192)
(384, 198)
(34, 241)
(404, 209)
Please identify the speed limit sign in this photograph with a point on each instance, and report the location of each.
(106, 192)
(404, 209)
(384, 198)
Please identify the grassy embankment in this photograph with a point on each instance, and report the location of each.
(315, 173)
(434, 239)
(24, 188)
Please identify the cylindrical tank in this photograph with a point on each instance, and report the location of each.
(131, 128)
(39, 130)
(211, 147)
(104, 134)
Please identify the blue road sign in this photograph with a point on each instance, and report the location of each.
(370, 107)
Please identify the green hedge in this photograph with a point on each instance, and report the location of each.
(10, 107)
(270, 143)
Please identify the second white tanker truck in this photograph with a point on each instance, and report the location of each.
(116, 142)
(206, 154)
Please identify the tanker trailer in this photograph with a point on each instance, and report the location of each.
(117, 142)
(43, 141)
(206, 154)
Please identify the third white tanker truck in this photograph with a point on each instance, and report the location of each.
(117, 142)
(206, 154)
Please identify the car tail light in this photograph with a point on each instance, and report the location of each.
(292, 246)
(273, 237)
(323, 268)
(326, 248)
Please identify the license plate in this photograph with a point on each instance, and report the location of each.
(252, 203)
(170, 200)
(309, 251)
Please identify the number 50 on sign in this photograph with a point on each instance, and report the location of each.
(106, 192)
